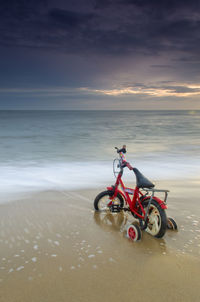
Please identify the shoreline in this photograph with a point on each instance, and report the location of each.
(175, 186)
(55, 247)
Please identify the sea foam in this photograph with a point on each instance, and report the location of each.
(79, 175)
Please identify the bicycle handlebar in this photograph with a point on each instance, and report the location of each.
(123, 149)
(124, 162)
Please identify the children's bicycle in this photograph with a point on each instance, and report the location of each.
(141, 202)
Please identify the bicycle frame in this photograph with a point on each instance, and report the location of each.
(131, 202)
(135, 204)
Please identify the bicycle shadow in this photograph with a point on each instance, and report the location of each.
(118, 222)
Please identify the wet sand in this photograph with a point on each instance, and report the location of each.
(54, 247)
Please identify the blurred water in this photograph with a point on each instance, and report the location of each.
(75, 149)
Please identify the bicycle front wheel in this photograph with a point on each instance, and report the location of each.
(102, 200)
(116, 166)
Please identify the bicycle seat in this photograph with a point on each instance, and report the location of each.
(141, 180)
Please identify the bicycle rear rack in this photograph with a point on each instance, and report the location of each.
(157, 190)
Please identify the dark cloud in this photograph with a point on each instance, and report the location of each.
(117, 27)
(181, 89)
(162, 66)
(100, 44)
(19, 11)
(68, 18)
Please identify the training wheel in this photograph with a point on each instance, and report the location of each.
(171, 224)
(134, 232)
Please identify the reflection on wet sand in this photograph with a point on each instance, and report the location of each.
(108, 220)
(118, 222)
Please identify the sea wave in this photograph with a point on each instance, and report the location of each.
(25, 177)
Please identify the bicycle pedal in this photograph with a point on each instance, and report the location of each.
(115, 208)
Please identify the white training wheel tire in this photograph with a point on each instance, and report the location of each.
(134, 232)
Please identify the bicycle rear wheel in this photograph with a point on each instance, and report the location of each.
(156, 220)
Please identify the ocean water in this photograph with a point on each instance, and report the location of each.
(42, 150)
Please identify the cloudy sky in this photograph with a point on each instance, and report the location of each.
(100, 54)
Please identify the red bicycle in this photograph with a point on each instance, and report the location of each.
(141, 202)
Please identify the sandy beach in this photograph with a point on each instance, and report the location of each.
(54, 247)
